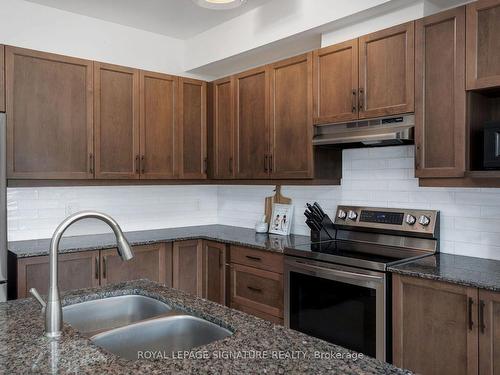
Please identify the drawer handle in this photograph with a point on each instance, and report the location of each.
(97, 268)
(256, 259)
(104, 268)
(253, 289)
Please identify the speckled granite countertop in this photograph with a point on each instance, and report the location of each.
(25, 349)
(221, 233)
(457, 269)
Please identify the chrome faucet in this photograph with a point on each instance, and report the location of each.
(53, 309)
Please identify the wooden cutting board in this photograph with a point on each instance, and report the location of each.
(276, 198)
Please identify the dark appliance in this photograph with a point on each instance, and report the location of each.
(491, 145)
(340, 291)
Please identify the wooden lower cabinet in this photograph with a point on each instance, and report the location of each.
(152, 262)
(213, 271)
(76, 271)
(489, 333)
(187, 266)
(442, 328)
(256, 283)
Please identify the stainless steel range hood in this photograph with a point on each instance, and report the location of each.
(387, 131)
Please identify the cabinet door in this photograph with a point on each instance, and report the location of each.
(158, 125)
(336, 83)
(258, 289)
(386, 72)
(435, 327)
(192, 128)
(291, 118)
(149, 262)
(49, 122)
(223, 128)
(2, 78)
(252, 123)
(214, 271)
(116, 121)
(489, 333)
(483, 44)
(76, 271)
(440, 94)
(187, 267)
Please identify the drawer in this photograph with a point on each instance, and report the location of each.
(257, 313)
(264, 260)
(257, 289)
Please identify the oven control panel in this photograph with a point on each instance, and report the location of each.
(401, 220)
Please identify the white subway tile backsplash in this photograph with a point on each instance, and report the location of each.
(379, 177)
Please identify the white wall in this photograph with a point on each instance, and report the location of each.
(383, 177)
(30, 25)
(36, 212)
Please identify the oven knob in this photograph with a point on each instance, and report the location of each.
(410, 219)
(342, 214)
(424, 220)
(352, 215)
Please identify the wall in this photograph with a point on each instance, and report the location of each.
(383, 177)
(35, 26)
(36, 212)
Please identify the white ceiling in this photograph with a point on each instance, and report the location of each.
(175, 18)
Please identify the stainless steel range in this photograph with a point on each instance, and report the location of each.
(339, 290)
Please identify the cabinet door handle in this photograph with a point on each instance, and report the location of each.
(137, 164)
(104, 267)
(143, 164)
(91, 162)
(354, 97)
(231, 165)
(471, 303)
(270, 163)
(482, 326)
(361, 99)
(256, 259)
(265, 163)
(97, 268)
(205, 165)
(253, 289)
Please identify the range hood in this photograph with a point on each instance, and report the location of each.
(387, 131)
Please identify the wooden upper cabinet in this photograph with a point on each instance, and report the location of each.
(223, 128)
(386, 72)
(192, 133)
(435, 327)
(152, 262)
(335, 83)
(483, 44)
(158, 123)
(252, 123)
(2, 78)
(116, 120)
(291, 118)
(440, 94)
(49, 115)
(489, 332)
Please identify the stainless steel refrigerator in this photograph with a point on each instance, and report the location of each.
(3, 210)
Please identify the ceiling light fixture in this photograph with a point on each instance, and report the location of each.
(219, 4)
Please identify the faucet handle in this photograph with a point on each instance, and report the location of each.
(38, 297)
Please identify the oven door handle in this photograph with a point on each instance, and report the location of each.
(350, 275)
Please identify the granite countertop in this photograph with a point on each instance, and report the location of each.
(220, 233)
(457, 269)
(25, 349)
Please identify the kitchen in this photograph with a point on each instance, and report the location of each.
(316, 194)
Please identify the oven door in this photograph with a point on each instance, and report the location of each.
(339, 304)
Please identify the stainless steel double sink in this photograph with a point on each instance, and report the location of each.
(133, 324)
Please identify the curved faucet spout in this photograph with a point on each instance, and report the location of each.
(53, 310)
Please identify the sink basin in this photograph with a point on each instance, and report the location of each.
(165, 334)
(94, 316)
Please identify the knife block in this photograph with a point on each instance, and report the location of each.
(327, 232)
